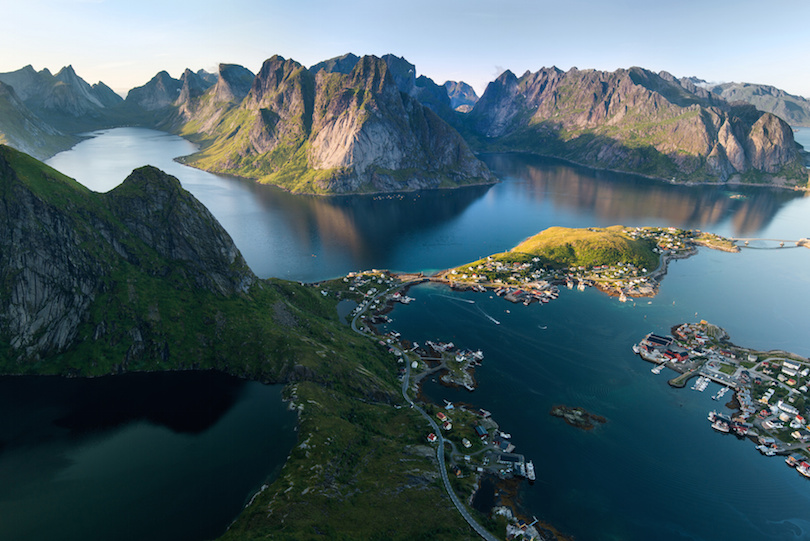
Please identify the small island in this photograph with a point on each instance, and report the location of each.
(577, 417)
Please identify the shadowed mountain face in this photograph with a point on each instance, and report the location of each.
(462, 96)
(63, 249)
(635, 120)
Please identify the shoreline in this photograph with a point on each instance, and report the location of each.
(180, 160)
(690, 183)
(769, 387)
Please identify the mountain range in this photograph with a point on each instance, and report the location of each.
(795, 110)
(367, 124)
(638, 121)
(330, 131)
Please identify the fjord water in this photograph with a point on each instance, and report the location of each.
(310, 238)
(169, 456)
(656, 469)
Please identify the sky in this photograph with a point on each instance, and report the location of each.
(124, 43)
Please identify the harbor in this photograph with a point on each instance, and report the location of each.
(769, 387)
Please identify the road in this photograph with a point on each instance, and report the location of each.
(406, 381)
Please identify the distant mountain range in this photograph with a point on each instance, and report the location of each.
(366, 124)
(25, 131)
(64, 100)
(638, 121)
(795, 110)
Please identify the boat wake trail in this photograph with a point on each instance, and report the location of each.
(492, 319)
(453, 298)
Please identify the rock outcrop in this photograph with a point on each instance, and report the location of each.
(635, 120)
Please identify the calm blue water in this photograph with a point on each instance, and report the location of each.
(311, 238)
(656, 470)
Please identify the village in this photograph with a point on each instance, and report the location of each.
(769, 388)
(477, 446)
(527, 281)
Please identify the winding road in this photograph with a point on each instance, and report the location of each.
(406, 381)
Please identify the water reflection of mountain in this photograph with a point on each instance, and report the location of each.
(622, 198)
(366, 226)
(184, 402)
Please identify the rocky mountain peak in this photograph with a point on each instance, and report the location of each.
(160, 92)
(276, 74)
(373, 74)
(233, 83)
(462, 96)
(620, 119)
(335, 132)
(340, 64)
(192, 86)
(404, 72)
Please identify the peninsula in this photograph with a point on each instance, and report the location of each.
(621, 261)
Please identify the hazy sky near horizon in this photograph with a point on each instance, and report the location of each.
(125, 43)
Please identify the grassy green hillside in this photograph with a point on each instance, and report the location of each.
(567, 247)
(562, 247)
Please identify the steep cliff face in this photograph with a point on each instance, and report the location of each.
(49, 281)
(364, 122)
(233, 83)
(64, 250)
(634, 120)
(334, 132)
(199, 115)
(192, 86)
(340, 64)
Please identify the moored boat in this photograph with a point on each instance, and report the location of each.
(530, 471)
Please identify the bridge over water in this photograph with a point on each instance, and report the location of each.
(782, 242)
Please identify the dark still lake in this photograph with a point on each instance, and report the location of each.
(171, 456)
(656, 470)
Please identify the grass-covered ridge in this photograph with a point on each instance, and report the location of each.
(563, 247)
(588, 247)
